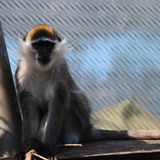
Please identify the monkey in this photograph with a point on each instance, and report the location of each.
(53, 108)
(51, 104)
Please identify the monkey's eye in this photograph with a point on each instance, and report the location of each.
(43, 44)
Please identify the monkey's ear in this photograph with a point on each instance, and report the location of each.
(59, 38)
(24, 38)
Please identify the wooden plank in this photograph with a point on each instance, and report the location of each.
(111, 150)
(119, 149)
(10, 123)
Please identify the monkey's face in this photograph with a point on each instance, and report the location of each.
(43, 51)
(42, 47)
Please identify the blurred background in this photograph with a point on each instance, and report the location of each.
(115, 58)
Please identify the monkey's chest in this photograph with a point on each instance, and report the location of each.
(41, 91)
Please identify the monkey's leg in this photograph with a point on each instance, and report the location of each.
(52, 122)
(31, 119)
(76, 125)
(70, 131)
(80, 115)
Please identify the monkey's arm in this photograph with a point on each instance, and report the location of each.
(30, 121)
(52, 122)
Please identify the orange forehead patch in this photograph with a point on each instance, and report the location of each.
(40, 30)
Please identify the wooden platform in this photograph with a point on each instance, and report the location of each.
(111, 150)
(119, 150)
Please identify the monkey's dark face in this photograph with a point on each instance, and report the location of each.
(43, 51)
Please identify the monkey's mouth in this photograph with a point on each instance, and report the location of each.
(43, 61)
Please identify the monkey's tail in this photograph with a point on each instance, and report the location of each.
(98, 134)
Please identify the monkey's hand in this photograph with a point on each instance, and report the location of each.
(31, 153)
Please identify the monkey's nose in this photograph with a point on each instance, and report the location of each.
(43, 60)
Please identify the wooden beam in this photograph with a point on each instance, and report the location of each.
(10, 122)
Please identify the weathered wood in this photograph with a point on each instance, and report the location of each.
(119, 149)
(10, 123)
(127, 135)
(111, 150)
